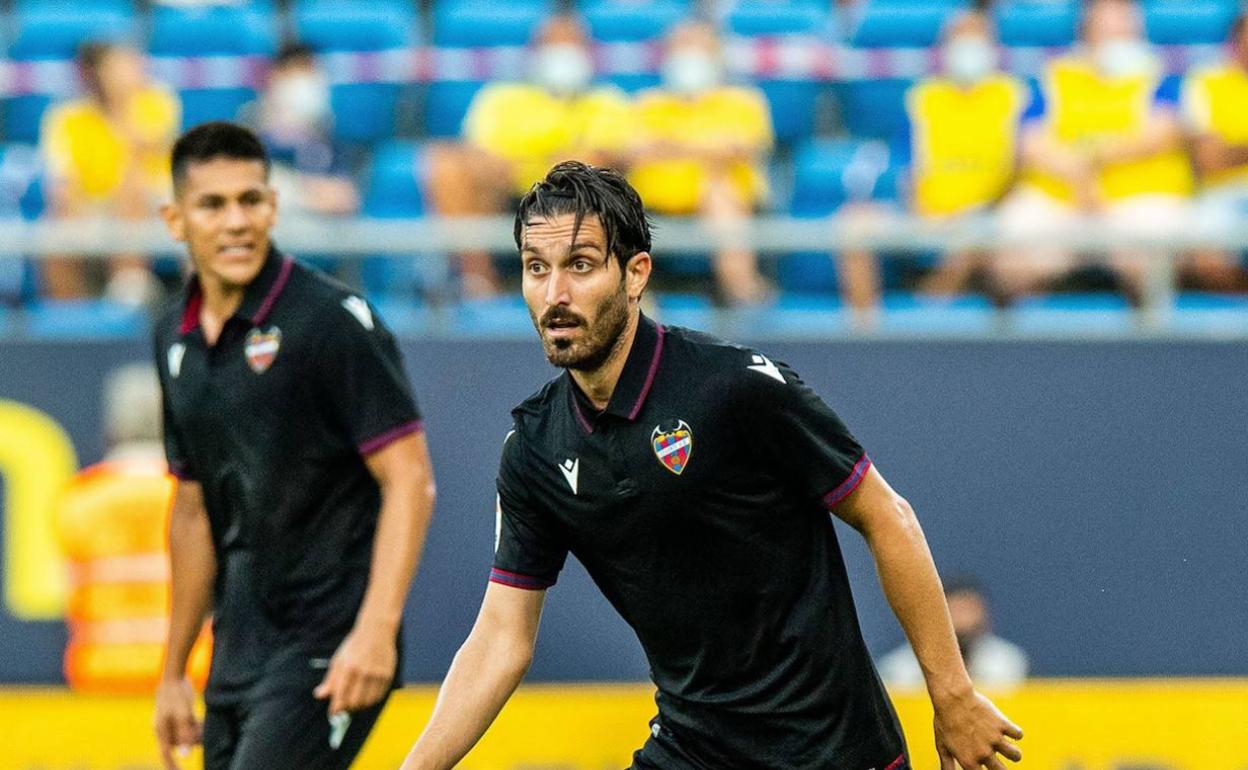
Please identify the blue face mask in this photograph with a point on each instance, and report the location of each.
(563, 68)
(1123, 57)
(969, 60)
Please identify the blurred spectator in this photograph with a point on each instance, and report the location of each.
(1105, 140)
(111, 522)
(991, 661)
(293, 118)
(514, 133)
(1215, 111)
(961, 139)
(107, 154)
(700, 148)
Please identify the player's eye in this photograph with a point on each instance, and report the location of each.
(582, 265)
(535, 268)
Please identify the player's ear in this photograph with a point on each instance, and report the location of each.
(637, 273)
(172, 214)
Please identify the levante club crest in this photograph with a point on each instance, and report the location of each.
(261, 348)
(673, 447)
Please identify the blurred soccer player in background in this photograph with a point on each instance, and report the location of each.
(304, 491)
(699, 147)
(693, 479)
(107, 154)
(992, 661)
(514, 131)
(1105, 139)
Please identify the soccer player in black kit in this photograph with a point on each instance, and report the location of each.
(304, 489)
(693, 479)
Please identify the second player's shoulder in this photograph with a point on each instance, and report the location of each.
(728, 370)
(329, 306)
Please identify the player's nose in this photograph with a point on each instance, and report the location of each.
(558, 288)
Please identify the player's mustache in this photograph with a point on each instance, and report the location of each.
(559, 314)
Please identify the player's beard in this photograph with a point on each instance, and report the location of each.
(598, 341)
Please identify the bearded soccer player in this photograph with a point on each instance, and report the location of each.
(304, 484)
(693, 479)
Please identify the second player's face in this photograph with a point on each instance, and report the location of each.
(575, 291)
(224, 212)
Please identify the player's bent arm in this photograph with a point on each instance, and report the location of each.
(969, 728)
(193, 569)
(486, 671)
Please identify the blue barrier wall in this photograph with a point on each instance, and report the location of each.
(1098, 488)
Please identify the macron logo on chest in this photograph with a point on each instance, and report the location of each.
(763, 365)
(176, 351)
(571, 469)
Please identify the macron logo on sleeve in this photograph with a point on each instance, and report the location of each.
(763, 365)
(359, 308)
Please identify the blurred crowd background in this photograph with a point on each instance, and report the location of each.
(909, 162)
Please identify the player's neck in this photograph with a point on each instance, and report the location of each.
(598, 384)
(220, 301)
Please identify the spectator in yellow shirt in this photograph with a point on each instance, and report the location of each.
(1215, 112)
(107, 154)
(961, 140)
(699, 146)
(1106, 142)
(514, 132)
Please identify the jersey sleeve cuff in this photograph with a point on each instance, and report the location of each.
(516, 580)
(382, 440)
(851, 482)
(180, 472)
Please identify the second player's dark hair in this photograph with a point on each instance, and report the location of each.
(576, 188)
(209, 141)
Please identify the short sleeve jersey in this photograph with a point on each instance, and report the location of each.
(275, 421)
(698, 501)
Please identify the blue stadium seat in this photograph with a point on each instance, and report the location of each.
(806, 315)
(629, 21)
(1086, 314)
(694, 311)
(405, 316)
(83, 319)
(6, 324)
(792, 101)
(465, 24)
(1037, 22)
(469, 23)
(902, 23)
(778, 17)
(213, 31)
(907, 313)
(1188, 21)
(53, 31)
(394, 189)
(1213, 314)
(874, 108)
(363, 112)
(504, 317)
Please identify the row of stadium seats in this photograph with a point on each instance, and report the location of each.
(791, 316)
(51, 30)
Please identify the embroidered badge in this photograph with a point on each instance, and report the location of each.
(673, 447)
(261, 348)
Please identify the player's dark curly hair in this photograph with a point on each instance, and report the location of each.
(209, 141)
(576, 188)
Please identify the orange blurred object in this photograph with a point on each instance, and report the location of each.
(112, 524)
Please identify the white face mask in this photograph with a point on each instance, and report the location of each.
(1123, 57)
(690, 72)
(302, 99)
(969, 60)
(563, 68)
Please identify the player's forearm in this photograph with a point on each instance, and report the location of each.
(1213, 155)
(484, 674)
(406, 510)
(913, 589)
(193, 568)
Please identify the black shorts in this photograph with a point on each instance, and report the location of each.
(282, 730)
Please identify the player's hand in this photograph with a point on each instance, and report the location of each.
(177, 728)
(360, 672)
(972, 732)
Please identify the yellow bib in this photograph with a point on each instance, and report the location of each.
(964, 142)
(1215, 101)
(1084, 107)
